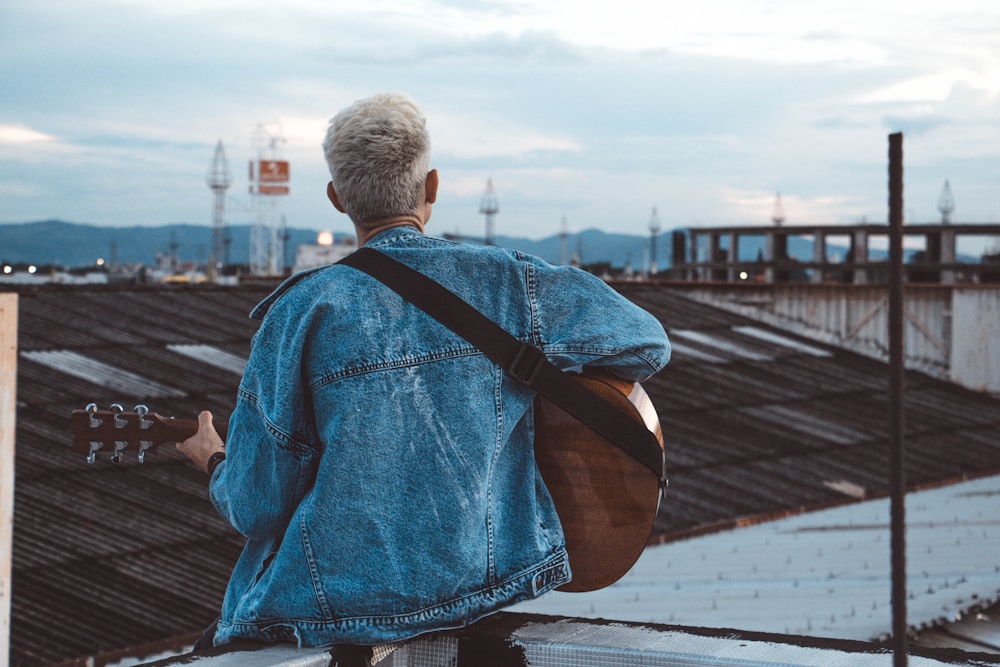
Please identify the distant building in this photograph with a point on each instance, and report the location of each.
(324, 251)
(31, 275)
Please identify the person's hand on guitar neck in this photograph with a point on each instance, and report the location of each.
(205, 448)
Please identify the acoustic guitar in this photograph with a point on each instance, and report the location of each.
(606, 500)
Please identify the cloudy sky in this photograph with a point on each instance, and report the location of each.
(590, 112)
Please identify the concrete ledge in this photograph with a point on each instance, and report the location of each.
(515, 640)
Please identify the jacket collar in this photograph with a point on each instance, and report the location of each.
(380, 239)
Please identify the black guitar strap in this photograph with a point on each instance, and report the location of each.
(522, 361)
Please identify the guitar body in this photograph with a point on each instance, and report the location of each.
(606, 500)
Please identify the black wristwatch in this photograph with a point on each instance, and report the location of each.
(213, 462)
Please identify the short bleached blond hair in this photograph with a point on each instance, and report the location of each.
(379, 152)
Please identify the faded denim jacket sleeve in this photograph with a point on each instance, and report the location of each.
(585, 322)
(270, 418)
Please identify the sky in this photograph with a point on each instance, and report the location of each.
(581, 114)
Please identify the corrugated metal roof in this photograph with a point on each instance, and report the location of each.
(213, 356)
(110, 556)
(113, 378)
(821, 574)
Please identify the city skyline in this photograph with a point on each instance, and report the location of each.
(580, 111)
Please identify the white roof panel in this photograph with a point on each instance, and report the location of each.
(822, 574)
(113, 378)
(213, 356)
(727, 346)
(680, 351)
(784, 341)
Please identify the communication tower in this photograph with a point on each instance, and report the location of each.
(946, 204)
(489, 206)
(654, 229)
(778, 214)
(269, 175)
(218, 179)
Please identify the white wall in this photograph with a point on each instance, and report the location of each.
(975, 335)
(951, 332)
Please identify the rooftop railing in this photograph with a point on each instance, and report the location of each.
(516, 640)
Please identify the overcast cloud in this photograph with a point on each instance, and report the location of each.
(595, 112)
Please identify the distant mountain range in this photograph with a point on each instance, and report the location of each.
(67, 244)
(73, 245)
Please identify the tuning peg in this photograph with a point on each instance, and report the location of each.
(120, 447)
(144, 445)
(91, 410)
(142, 410)
(94, 446)
(117, 409)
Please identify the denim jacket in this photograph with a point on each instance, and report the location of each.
(382, 468)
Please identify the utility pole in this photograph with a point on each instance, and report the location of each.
(283, 237)
(218, 180)
(489, 206)
(654, 229)
(946, 204)
(564, 242)
(778, 214)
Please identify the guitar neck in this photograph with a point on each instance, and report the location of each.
(119, 432)
(181, 428)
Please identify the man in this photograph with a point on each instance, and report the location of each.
(380, 466)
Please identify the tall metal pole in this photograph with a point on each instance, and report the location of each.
(896, 393)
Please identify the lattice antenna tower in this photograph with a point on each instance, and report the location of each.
(266, 188)
(946, 204)
(654, 230)
(218, 179)
(778, 214)
(489, 206)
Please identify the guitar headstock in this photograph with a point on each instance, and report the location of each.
(117, 431)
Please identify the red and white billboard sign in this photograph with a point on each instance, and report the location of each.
(269, 177)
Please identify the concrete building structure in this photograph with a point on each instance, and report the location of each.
(844, 254)
(838, 294)
(324, 251)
